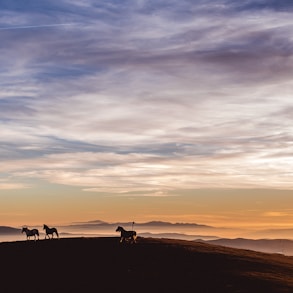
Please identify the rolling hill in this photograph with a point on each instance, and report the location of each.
(102, 264)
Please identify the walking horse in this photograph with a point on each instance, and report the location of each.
(50, 231)
(29, 233)
(126, 236)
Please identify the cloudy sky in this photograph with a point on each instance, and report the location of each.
(146, 110)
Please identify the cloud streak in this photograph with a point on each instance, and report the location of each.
(37, 26)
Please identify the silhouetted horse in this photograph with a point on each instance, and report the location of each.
(50, 231)
(30, 233)
(126, 235)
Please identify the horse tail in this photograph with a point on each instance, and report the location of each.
(56, 233)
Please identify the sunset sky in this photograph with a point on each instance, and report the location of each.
(139, 110)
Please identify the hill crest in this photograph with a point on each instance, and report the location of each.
(150, 265)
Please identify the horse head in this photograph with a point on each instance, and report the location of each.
(119, 228)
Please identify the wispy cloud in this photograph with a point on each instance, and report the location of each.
(147, 97)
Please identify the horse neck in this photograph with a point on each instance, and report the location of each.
(50, 230)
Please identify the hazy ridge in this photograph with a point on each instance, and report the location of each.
(9, 230)
(161, 229)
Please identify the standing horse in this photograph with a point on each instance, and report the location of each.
(125, 235)
(30, 233)
(50, 231)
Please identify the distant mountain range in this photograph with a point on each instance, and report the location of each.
(98, 223)
(184, 231)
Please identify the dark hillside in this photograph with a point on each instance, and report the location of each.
(151, 265)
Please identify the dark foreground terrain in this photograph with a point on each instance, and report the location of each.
(150, 265)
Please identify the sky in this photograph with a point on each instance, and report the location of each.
(141, 110)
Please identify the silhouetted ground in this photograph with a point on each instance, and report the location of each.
(151, 265)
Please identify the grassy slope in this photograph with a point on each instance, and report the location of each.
(151, 265)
